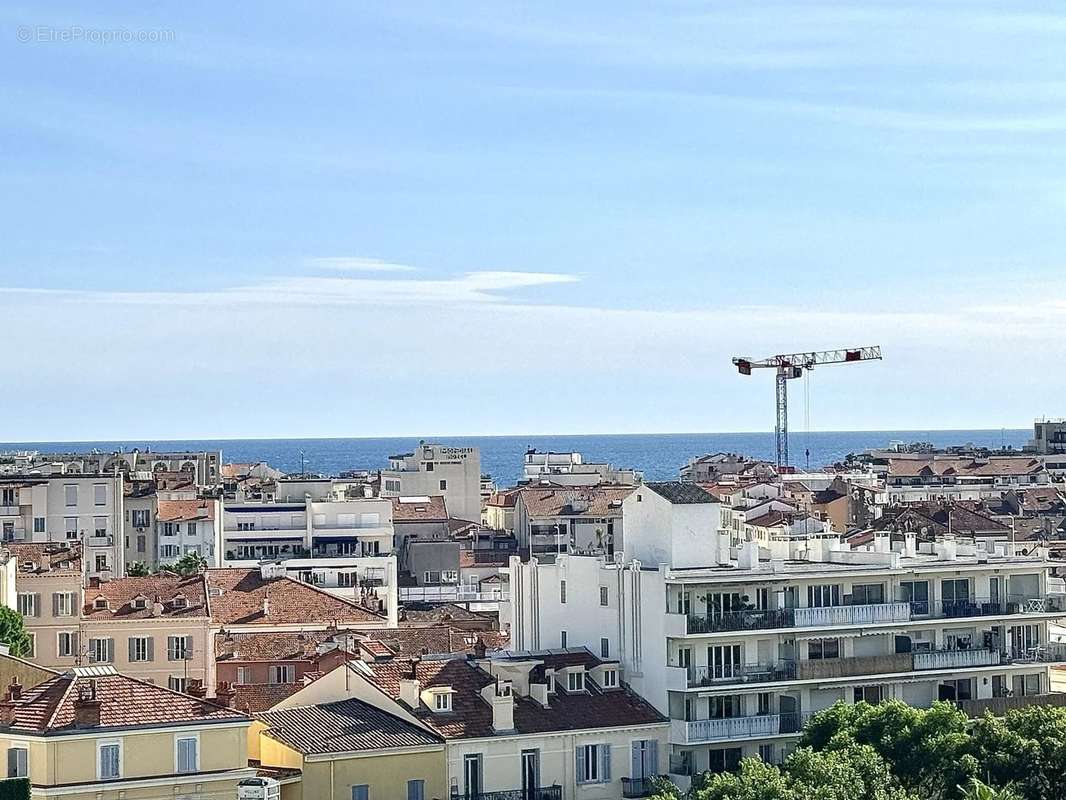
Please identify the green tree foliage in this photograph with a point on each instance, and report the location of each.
(190, 564)
(977, 790)
(138, 569)
(13, 632)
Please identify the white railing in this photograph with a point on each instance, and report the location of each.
(956, 659)
(450, 594)
(710, 730)
(852, 615)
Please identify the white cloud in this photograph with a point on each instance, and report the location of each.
(356, 264)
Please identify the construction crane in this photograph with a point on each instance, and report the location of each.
(793, 365)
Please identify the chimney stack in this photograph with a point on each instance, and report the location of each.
(87, 707)
(196, 688)
(410, 688)
(479, 648)
(501, 696)
(224, 694)
(14, 689)
(266, 606)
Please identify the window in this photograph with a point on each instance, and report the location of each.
(361, 792)
(562, 639)
(282, 673)
(70, 526)
(179, 648)
(246, 526)
(575, 681)
(63, 604)
(823, 596)
(432, 577)
(17, 762)
(869, 694)
(7, 498)
(562, 591)
(101, 650)
(593, 763)
(176, 683)
(169, 528)
(724, 661)
(955, 592)
(917, 594)
(242, 675)
(109, 760)
(70, 495)
(605, 647)
(140, 648)
(863, 594)
(766, 753)
(101, 562)
(100, 494)
(187, 754)
(140, 518)
(142, 543)
(66, 644)
(610, 678)
(38, 525)
(169, 551)
(429, 466)
(444, 486)
(28, 604)
(684, 603)
(448, 576)
(190, 528)
(603, 595)
(416, 790)
(442, 701)
(99, 526)
(826, 648)
(472, 783)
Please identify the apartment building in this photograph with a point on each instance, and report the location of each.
(740, 645)
(68, 508)
(570, 469)
(90, 733)
(140, 539)
(943, 477)
(48, 587)
(554, 520)
(185, 527)
(279, 658)
(203, 467)
(435, 469)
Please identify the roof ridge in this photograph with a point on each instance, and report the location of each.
(73, 679)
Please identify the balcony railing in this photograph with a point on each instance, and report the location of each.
(989, 607)
(638, 787)
(855, 665)
(741, 621)
(868, 614)
(957, 659)
(460, 593)
(1001, 705)
(742, 673)
(543, 793)
(758, 726)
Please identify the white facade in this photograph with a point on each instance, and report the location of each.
(569, 469)
(65, 508)
(739, 655)
(435, 469)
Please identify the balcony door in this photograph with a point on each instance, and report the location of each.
(645, 761)
(472, 778)
(530, 774)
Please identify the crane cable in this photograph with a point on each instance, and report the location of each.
(807, 414)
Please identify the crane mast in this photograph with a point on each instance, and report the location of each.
(793, 365)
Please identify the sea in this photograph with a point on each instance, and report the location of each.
(659, 455)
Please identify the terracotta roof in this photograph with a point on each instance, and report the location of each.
(270, 645)
(290, 602)
(253, 698)
(504, 499)
(165, 587)
(172, 481)
(185, 510)
(434, 639)
(343, 727)
(937, 466)
(433, 613)
(574, 502)
(771, 519)
(419, 509)
(471, 715)
(48, 709)
(59, 560)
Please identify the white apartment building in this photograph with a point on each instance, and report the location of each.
(432, 469)
(740, 645)
(68, 508)
(185, 527)
(570, 469)
(934, 477)
(204, 466)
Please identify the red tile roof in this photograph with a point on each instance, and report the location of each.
(59, 560)
(592, 501)
(48, 709)
(185, 510)
(419, 509)
(289, 602)
(166, 588)
(270, 645)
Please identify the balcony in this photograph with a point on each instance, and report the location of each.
(741, 621)
(543, 793)
(638, 787)
(455, 593)
(1001, 705)
(99, 541)
(871, 614)
(956, 659)
(759, 726)
(989, 607)
(855, 665)
(741, 673)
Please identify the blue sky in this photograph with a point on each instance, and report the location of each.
(406, 218)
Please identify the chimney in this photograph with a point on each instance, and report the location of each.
(266, 606)
(748, 557)
(479, 648)
(501, 696)
(225, 693)
(410, 690)
(910, 544)
(86, 707)
(196, 688)
(14, 689)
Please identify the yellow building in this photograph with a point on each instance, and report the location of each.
(349, 750)
(92, 734)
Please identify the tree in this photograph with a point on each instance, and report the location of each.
(137, 569)
(13, 632)
(977, 790)
(190, 564)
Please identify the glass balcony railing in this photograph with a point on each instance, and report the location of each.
(742, 673)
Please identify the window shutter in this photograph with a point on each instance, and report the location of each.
(637, 766)
(151, 648)
(652, 762)
(12, 762)
(74, 648)
(110, 651)
(188, 646)
(55, 604)
(172, 647)
(605, 755)
(579, 763)
(36, 605)
(132, 642)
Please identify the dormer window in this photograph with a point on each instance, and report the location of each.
(442, 702)
(140, 603)
(180, 602)
(610, 678)
(100, 604)
(575, 681)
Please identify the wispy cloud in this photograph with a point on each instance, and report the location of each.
(357, 264)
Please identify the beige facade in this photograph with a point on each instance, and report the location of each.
(150, 650)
